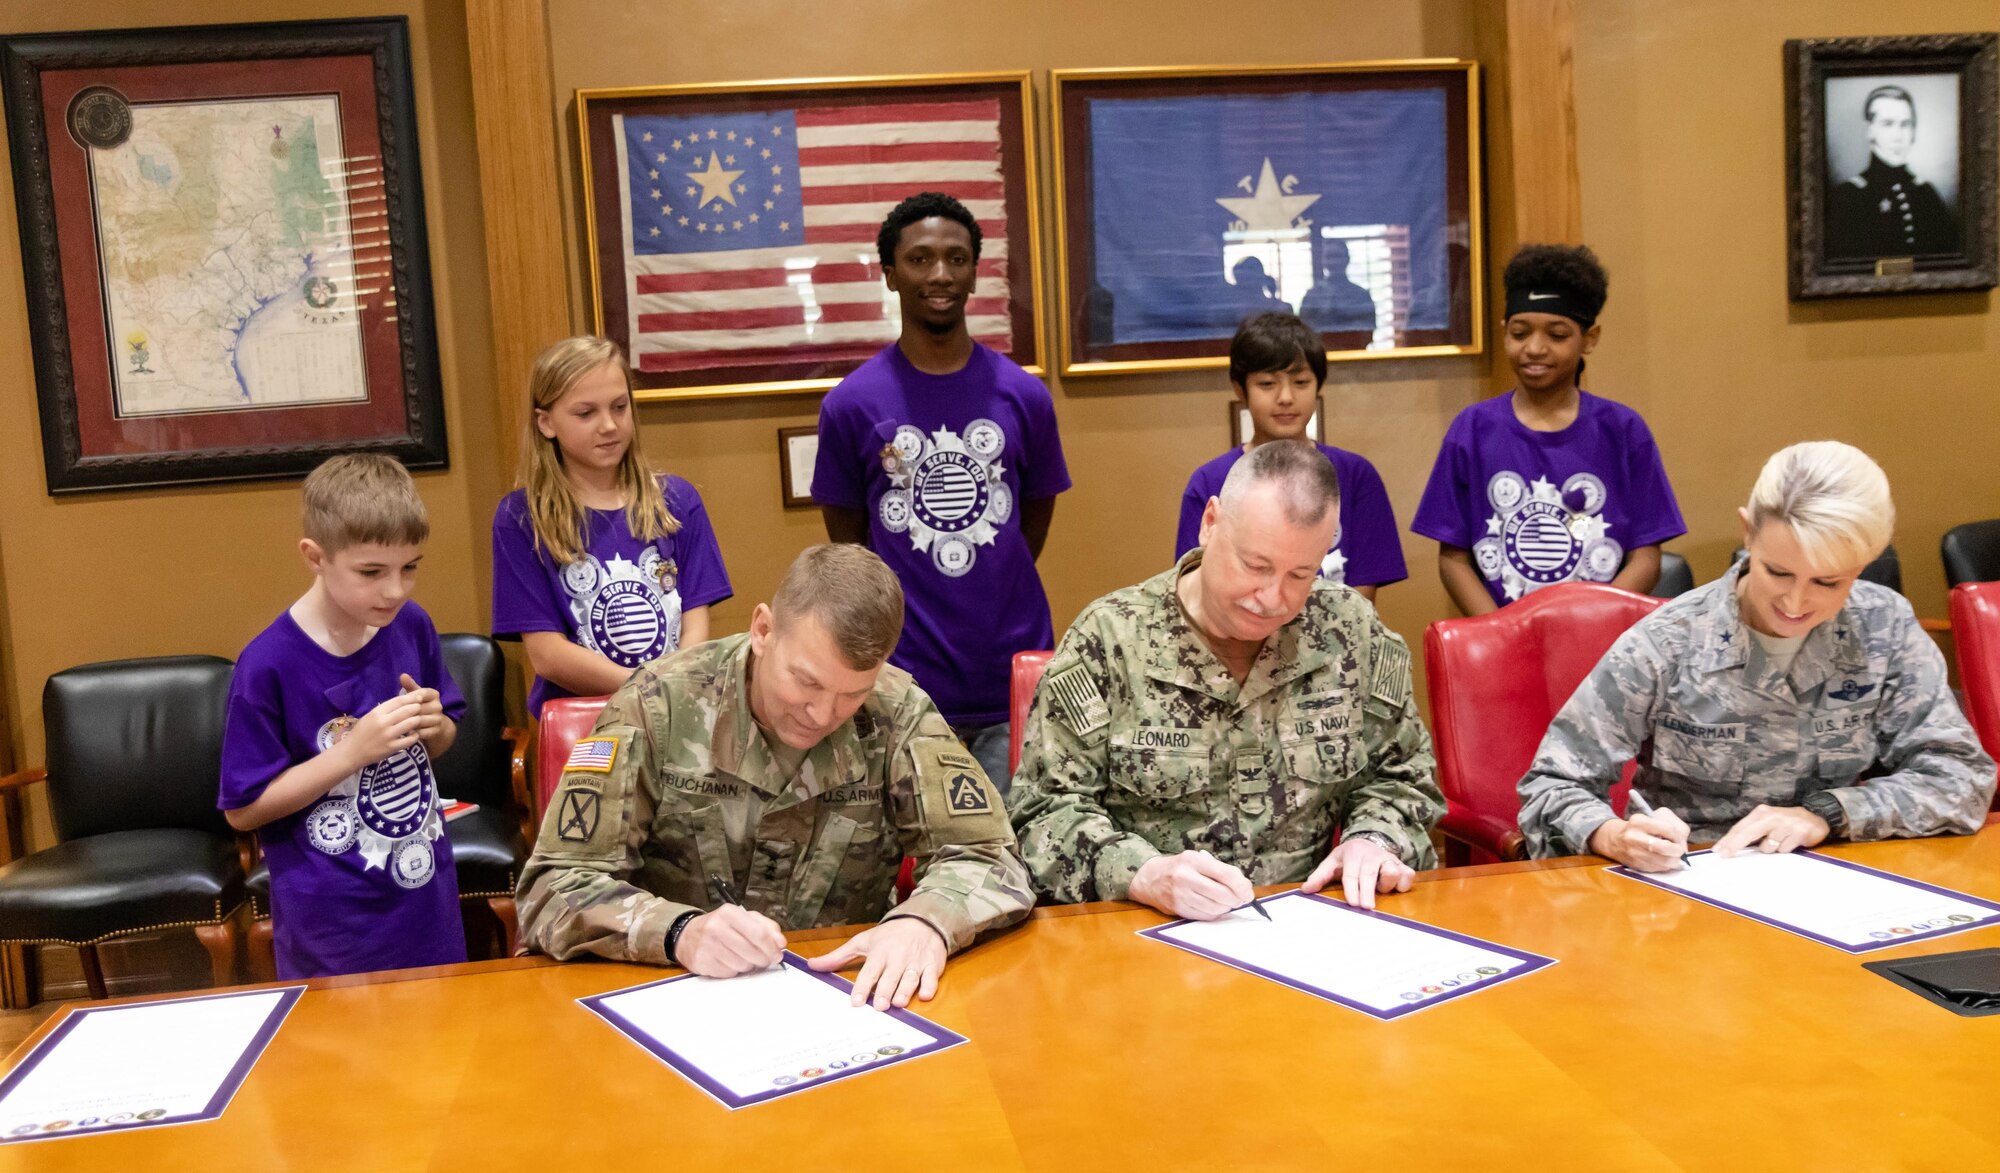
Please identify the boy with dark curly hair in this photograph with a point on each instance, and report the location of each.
(1547, 483)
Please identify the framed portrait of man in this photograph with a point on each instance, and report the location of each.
(1891, 179)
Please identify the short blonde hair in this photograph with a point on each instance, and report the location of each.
(850, 590)
(360, 498)
(1834, 498)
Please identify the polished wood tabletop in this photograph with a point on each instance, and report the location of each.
(1671, 1035)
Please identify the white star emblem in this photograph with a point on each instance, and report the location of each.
(1543, 490)
(1270, 208)
(1493, 525)
(646, 137)
(714, 181)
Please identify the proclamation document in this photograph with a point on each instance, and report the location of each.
(1368, 960)
(1830, 900)
(745, 1040)
(112, 1068)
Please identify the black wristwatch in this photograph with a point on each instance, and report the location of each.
(1826, 806)
(674, 934)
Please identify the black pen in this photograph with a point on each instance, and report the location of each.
(1256, 902)
(724, 889)
(1637, 804)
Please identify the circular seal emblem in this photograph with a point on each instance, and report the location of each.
(1601, 559)
(950, 491)
(329, 734)
(396, 794)
(984, 439)
(1506, 490)
(909, 443)
(1539, 544)
(1487, 552)
(953, 555)
(413, 863)
(668, 575)
(320, 292)
(333, 825)
(1000, 503)
(629, 622)
(1489, 970)
(1583, 493)
(895, 511)
(888, 1050)
(785, 1080)
(100, 117)
(23, 1129)
(581, 576)
(1959, 918)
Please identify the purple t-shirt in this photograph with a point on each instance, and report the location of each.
(361, 879)
(623, 599)
(942, 463)
(1367, 548)
(1539, 508)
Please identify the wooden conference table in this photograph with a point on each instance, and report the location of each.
(1670, 1035)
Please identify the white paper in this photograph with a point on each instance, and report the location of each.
(155, 1062)
(776, 1030)
(1824, 899)
(1376, 963)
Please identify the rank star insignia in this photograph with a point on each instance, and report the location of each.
(577, 822)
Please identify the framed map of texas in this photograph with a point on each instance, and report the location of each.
(223, 235)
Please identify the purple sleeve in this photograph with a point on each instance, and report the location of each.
(1443, 514)
(524, 597)
(430, 657)
(1656, 516)
(253, 734)
(837, 478)
(703, 580)
(1045, 473)
(1370, 540)
(1193, 503)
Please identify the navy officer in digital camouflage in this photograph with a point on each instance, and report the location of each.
(1218, 725)
(1781, 705)
(796, 767)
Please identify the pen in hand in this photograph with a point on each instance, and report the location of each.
(724, 890)
(1636, 804)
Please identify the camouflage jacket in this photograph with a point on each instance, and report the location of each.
(1864, 714)
(677, 783)
(1140, 744)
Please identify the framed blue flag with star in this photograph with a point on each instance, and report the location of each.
(732, 228)
(1190, 199)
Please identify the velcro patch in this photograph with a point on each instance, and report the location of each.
(594, 754)
(966, 794)
(576, 818)
(1076, 700)
(1390, 680)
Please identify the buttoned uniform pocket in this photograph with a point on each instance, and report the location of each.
(1313, 777)
(1845, 741)
(686, 845)
(1155, 776)
(1708, 765)
(859, 859)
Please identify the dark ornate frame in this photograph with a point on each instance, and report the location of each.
(1808, 63)
(81, 453)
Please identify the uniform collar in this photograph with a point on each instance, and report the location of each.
(1184, 659)
(1882, 171)
(1832, 646)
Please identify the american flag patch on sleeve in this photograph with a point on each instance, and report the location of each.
(594, 754)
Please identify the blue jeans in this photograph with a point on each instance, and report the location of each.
(989, 745)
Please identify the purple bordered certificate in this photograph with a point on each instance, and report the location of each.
(1852, 908)
(1364, 959)
(745, 1040)
(113, 1068)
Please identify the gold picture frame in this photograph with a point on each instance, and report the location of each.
(719, 319)
(1173, 331)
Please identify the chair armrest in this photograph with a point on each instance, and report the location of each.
(24, 778)
(1936, 625)
(14, 840)
(1499, 836)
(248, 851)
(524, 802)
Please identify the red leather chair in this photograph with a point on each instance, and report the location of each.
(1975, 627)
(565, 719)
(1496, 681)
(1020, 698)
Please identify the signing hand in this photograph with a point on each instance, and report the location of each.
(731, 940)
(430, 710)
(1365, 867)
(1191, 884)
(1649, 843)
(1773, 829)
(905, 957)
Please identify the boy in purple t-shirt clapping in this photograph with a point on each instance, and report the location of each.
(334, 714)
(1548, 483)
(1277, 365)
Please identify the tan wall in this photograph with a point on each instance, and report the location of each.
(153, 572)
(1681, 146)
(1131, 441)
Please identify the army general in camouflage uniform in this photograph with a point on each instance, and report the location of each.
(1779, 705)
(1215, 726)
(793, 765)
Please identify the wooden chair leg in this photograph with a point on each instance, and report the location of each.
(93, 971)
(510, 927)
(263, 951)
(20, 979)
(220, 941)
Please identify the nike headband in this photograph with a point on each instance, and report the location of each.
(1548, 301)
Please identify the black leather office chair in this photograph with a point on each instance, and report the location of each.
(134, 764)
(487, 765)
(1676, 576)
(1972, 552)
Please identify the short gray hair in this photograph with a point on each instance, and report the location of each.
(1300, 472)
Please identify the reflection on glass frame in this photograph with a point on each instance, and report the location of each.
(1241, 428)
(731, 227)
(1890, 146)
(798, 451)
(1189, 199)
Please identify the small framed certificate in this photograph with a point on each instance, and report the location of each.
(798, 449)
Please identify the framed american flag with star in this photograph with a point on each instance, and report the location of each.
(732, 227)
(1190, 199)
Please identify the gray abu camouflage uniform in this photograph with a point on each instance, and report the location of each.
(692, 789)
(1716, 731)
(1140, 744)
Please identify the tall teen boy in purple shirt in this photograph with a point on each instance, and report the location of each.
(941, 455)
(334, 714)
